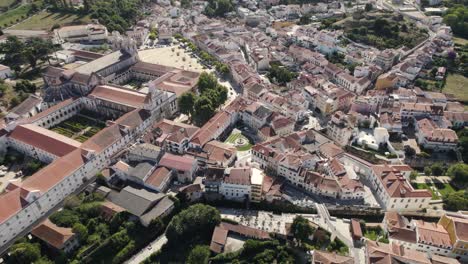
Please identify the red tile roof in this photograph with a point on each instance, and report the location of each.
(44, 139)
(181, 163)
(158, 176)
(52, 234)
(119, 95)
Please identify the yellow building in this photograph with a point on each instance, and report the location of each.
(457, 227)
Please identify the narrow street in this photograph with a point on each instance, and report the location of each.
(147, 251)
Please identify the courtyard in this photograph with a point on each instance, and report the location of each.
(173, 56)
(241, 142)
(79, 127)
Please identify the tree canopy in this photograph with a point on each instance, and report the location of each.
(24, 252)
(456, 201)
(29, 52)
(196, 222)
(218, 8)
(457, 18)
(199, 255)
(459, 174)
(202, 107)
(301, 228)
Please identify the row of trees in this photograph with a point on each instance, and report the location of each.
(200, 108)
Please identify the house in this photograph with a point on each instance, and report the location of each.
(192, 192)
(393, 190)
(431, 136)
(242, 183)
(109, 210)
(28, 108)
(339, 128)
(184, 167)
(58, 238)
(224, 230)
(173, 136)
(145, 205)
(82, 33)
(377, 252)
(159, 180)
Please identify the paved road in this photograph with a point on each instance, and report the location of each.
(147, 251)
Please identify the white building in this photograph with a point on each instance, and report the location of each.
(244, 183)
(82, 33)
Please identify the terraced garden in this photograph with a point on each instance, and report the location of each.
(79, 127)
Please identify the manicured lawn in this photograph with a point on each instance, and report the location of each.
(442, 188)
(234, 136)
(45, 21)
(458, 85)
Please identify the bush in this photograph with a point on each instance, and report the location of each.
(65, 218)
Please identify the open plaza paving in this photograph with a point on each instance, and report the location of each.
(174, 56)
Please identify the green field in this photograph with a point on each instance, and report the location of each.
(15, 15)
(457, 85)
(45, 21)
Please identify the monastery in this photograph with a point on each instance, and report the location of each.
(94, 87)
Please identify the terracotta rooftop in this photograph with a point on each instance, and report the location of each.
(52, 234)
(44, 139)
(158, 176)
(181, 163)
(119, 95)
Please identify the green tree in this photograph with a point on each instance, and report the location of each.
(368, 7)
(206, 81)
(463, 143)
(199, 255)
(65, 218)
(186, 103)
(203, 110)
(13, 49)
(459, 174)
(25, 86)
(427, 171)
(196, 222)
(413, 175)
(301, 229)
(81, 230)
(218, 8)
(304, 20)
(22, 253)
(456, 201)
(437, 169)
